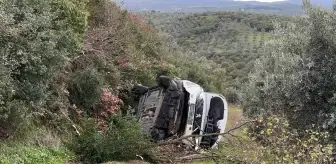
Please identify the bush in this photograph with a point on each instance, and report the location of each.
(123, 140)
(232, 95)
(286, 145)
(85, 89)
(13, 116)
(37, 39)
(41, 41)
(272, 140)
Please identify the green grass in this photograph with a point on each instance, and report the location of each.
(15, 153)
(205, 162)
(234, 115)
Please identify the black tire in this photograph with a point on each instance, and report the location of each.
(164, 81)
(139, 89)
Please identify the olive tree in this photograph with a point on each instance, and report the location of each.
(296, 75)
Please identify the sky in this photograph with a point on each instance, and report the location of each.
(263, 0)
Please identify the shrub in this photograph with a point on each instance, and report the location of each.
(286, 145)
(85, 89)
(123, 140)
(13, 117)
(37, 39)
(232, 95)
(41, 41)
(272, 140)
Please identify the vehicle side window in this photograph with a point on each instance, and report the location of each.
(199, 105)
(198, 112)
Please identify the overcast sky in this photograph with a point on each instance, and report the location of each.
(263, 0)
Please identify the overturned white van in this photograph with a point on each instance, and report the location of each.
(181, 108)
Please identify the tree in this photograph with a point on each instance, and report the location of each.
(295, 77)
(37, 39)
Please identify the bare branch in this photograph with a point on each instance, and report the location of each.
(204, 135)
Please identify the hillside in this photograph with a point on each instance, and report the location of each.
(67, 69)
(230, 39)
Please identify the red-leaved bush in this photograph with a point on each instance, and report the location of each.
(109, 105)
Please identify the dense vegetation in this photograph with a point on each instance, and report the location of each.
(231, 39)
(291, 89)
(294, 79)
(67, 63)
(295, 76)
(67, 66)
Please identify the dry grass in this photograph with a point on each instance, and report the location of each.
(234, 116)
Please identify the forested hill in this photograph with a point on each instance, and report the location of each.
(231, 39)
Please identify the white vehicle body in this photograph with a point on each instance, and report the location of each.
(195, 92)
(181, 108)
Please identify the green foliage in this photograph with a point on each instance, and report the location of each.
(232, 40)
(42, 41)
(58, 53)
(286, 145)
(15, 153)
(86, 89)
(123, 140)
(14, 118)
(272, 140)
(295, 76)
(232, 95)
(37, 39)
(122, 48)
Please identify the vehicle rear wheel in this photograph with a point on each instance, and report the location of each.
(164, 81)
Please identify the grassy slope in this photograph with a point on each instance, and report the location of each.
(16, 153)
(234, 116)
